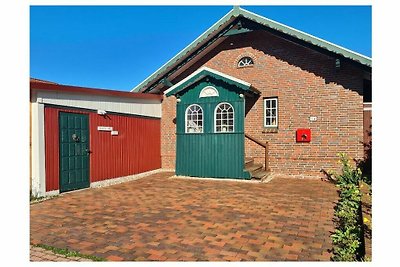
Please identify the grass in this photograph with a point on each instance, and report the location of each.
(69, 253)
(33, 199)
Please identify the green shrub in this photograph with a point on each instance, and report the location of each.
(349, 175)
(347, 244)
(348, 235)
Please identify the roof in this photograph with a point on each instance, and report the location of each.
(215, 32)
(200, 74)
(41, 81)
(36, 84)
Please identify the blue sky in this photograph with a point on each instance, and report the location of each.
(117, 47)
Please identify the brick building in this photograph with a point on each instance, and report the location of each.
(302, 95)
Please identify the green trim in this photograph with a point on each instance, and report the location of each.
(166, 82)
(236, 31)
(237, 12)
(206, 72)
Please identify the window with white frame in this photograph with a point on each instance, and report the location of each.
(245, 62)
(224, 118)
(194, 119)
(209, 91)
(271, 112)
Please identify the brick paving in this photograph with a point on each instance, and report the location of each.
(41, 254)
(161, 219)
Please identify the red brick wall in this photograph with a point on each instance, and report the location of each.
(306, 84)
(168, 130)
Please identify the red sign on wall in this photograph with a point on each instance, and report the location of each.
(303, 135)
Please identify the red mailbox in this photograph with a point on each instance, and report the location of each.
(303, 135)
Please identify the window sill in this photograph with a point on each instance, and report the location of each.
(241, 67)
(270, 130)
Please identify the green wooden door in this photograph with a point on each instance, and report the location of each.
(74, 151)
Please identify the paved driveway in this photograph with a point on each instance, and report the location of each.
(157, 218)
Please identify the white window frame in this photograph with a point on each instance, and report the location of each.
(245, 64)
(202, 119)
(215, 118)
(205, 92)
(265, 111)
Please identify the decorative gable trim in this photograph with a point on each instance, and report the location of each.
(203, 72)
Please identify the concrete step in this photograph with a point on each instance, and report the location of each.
(260, 174)
(248, 162)
(267, 178)
(254, 168)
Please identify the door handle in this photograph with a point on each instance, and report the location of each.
(75, 137)
(88, 151)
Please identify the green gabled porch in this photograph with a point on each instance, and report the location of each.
(210, 114)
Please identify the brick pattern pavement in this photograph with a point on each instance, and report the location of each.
(161, 219)
(41, 254)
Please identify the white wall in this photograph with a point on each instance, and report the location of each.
(38, 151)
(143, 107)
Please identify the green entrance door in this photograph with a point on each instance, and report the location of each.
(74, 151)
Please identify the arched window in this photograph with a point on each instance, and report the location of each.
(209, 91)
(245, 62)
(224, 118)
(194, 119)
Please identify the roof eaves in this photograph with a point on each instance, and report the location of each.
(233, 13)
(307, 37)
